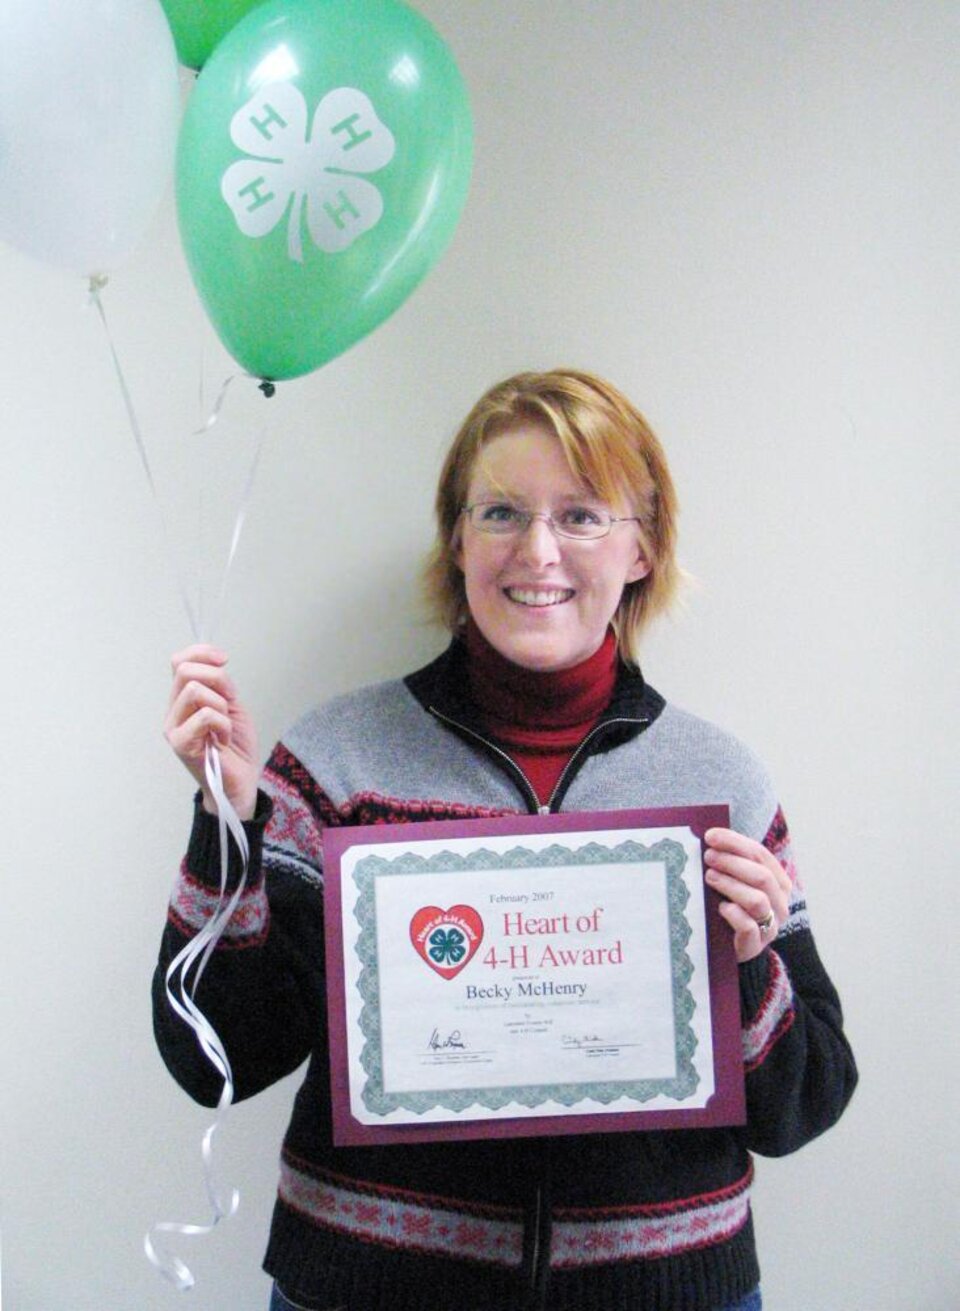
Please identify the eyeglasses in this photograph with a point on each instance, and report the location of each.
(580, 522)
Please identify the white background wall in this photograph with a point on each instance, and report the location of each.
(746, 215)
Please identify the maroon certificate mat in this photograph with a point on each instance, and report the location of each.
(541, 974)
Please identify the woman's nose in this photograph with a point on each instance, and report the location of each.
(538, 542)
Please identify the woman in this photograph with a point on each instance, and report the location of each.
(556, 536)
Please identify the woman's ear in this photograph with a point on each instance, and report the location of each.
(640, 568)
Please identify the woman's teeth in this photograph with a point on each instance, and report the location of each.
(527, 596)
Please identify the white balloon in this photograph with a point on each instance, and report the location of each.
(89, 114)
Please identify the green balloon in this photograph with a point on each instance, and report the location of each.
(323, 164)
(198, 25)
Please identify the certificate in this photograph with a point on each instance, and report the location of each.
(529, 975)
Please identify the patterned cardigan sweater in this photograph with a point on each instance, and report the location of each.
(659, 1220)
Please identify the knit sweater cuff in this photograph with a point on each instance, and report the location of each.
(203, 851)
(754, 983)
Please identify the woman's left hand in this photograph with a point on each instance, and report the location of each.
(755, 886)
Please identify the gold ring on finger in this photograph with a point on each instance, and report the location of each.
(767, 924)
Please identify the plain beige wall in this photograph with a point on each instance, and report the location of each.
(746, 215)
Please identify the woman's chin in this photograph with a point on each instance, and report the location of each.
(537, 654)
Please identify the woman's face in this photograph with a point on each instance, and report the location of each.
(543, 601)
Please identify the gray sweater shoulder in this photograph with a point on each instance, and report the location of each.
(379, 736)
(688, 751)
(362, 722)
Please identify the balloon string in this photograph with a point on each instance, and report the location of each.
(194, 615)
(96, 286)
(214, 414)
(238, 525)
(186, 969)
(245, 497)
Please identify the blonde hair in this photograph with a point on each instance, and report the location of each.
(609, 447)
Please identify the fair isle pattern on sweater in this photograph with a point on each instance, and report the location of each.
(301, 811)
(774, 1017)
(294, 841)
(777, 841)
(193, 905)
(649, 1232)
(397, 1217)
(296, 828)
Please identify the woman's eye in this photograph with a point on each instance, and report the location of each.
(579, 516)
(500, 512)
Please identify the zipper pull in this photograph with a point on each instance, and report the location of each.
(543, 810)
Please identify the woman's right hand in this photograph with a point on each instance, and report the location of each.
(204, 709)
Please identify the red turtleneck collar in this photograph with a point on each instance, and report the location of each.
(540, 717)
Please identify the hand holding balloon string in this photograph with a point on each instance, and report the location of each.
(204, 711)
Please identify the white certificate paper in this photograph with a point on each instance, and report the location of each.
(525, 976)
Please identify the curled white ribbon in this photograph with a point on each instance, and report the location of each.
(182, 978)
(186, 969)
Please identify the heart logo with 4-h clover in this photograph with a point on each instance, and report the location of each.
(446, 939)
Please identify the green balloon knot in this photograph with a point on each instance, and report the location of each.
(268, 388)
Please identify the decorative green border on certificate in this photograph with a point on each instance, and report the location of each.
(682, 1085)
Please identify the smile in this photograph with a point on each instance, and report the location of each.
(530, 596)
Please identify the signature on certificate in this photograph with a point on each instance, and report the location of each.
(580, 1040)
(452, 1040)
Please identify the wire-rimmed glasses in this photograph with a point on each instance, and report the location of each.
(582, 523)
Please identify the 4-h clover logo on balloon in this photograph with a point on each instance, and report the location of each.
(322, 164)
(295, 166)
(446, 940)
